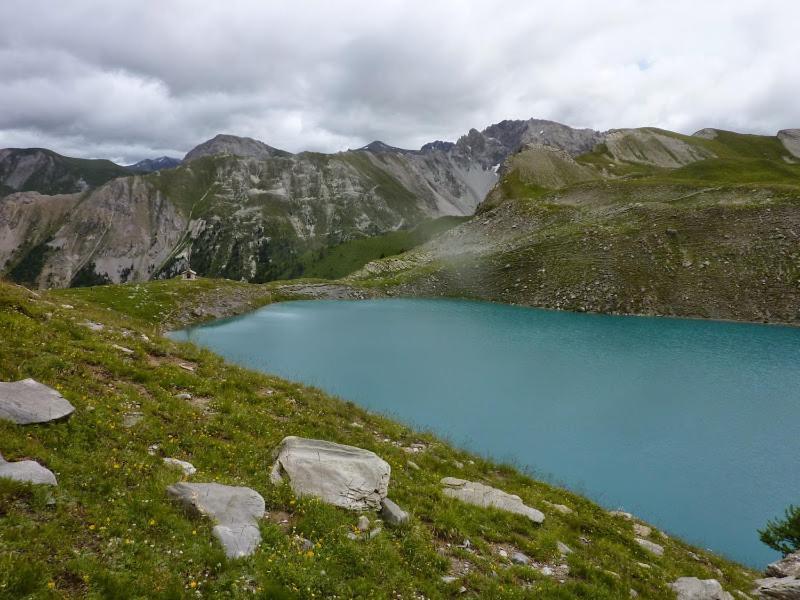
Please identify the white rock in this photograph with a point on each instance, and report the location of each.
(122, 349)
(235, 510)
(788, 566)
(778, 588)
(621, 514)
(28, 471)
(520, 558)
(363, 524)
(563, 548)
(692, 588)
(341, 475)
(564, 510)
(485, 496)
(642, 530)
(650, 546)
(187, 467)
(28, 401)
(93, 326)
(393, 514)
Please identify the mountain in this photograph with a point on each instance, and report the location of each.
(241, 209)
(649, 222)
(243, 147)
(149, 165)
(44, 171)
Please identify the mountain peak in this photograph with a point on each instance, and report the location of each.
(379, 146)
(148, 165)
(224, 143)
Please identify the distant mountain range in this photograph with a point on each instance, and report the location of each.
(149, 165)
(239, 208)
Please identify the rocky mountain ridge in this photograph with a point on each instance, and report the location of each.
(239, 208)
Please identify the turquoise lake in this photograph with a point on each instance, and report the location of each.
(690, 425)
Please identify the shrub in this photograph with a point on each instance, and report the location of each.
(783, 534)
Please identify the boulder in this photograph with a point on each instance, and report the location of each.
(788, 566)
(28, 401)
(563, 548)
(650, 546)
(778, 588)
(692, 588)
(483, 495)
(187, 467)
(26, 470)
(393, 514)
(642, 530)
(344, 476)
(235, 510)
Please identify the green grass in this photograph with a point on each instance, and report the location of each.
(339, 261)
(110, 531)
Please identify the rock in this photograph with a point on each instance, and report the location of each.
(563, 548)
(650, 546)
(122, 349)
(502, 553)
(28, 471)
(621, 514)
(28, 401)
(778, 588)
(692, 588)
(183, 396)
(485, 496)
(93, 326)
(449, 579)
(520, 558)
(633, 593)
(413, 465)
(642, 530)
(564, 510)
(788, 566)
(341, 475)
(235, 510)
(131, 419)
(393, 514)
(363, 524)
(187, 468)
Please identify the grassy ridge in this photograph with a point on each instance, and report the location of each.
(341, 260)
(110, 531)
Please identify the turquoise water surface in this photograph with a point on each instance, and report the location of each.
(691, 425)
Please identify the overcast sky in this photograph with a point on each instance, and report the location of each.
(132, 79)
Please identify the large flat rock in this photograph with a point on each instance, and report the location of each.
(692, 588)
(235, 510)
(345, 476)
(28, 401)
(479, 494)
(788, 566)
(778, 588)
(28, 471)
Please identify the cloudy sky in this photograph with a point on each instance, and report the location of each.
(132, 79)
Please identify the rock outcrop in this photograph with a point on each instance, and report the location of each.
(235, 510)
(485, 496)
(790, 138)
(783, 579)
(340, 475)
(692, 588)
(28, 401)
(28, 471)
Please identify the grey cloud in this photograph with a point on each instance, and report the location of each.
(132, 79)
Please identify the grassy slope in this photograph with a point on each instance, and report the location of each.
(717, 238)
(341, 260)
(110, 530)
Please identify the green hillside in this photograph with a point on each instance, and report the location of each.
(109, 530)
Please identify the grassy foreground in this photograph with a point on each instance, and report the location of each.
(110, 531)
